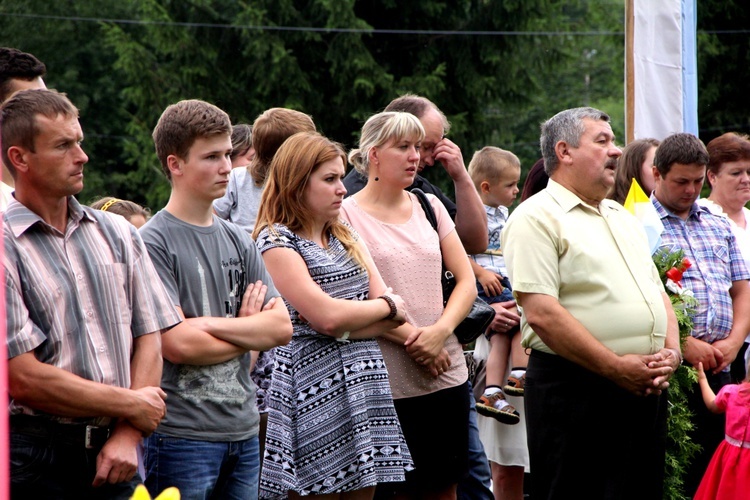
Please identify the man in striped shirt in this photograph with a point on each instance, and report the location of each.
(84, 314)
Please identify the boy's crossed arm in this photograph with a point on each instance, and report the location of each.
(208, 340)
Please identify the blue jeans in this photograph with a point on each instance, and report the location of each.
(505, 296)
(202, 469)
(49, 467)
(476, 484)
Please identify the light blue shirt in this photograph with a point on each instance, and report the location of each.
(492, 259)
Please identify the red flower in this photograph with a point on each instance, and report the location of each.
(685, 265)
(674, 274)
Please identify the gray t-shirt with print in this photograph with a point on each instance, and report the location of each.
(205, 271)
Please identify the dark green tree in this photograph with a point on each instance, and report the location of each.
(493, 80)
(495, 88)
(79, 65)
(723, 67)
(338, 77)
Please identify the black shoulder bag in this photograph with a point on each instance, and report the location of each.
(481, 314)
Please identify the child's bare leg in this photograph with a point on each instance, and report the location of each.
(493, 403)
(497, 360)
(519, 361)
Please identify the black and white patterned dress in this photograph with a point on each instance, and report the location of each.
(331, 426)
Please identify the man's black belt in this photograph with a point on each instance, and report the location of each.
(77, 434)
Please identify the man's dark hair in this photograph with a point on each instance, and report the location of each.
(15, 64)
(418, 106)
(270, 129)
(680, 148)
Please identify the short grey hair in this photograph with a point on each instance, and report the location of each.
(566, 126)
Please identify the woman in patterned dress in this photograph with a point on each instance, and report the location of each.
(332, 427)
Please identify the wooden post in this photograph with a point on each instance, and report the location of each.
(629, 73)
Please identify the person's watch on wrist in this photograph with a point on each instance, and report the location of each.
(392, 305)
(678, 354)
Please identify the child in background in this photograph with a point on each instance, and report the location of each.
(496, 173)
(241, 202)
(728, 475)
(133, 212)
(137, 216)
(243, 151)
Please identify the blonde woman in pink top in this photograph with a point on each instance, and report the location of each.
(427, 371)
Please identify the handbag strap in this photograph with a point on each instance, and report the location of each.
(445, 274)
(426, 206)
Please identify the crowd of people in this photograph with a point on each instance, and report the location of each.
(279, 329)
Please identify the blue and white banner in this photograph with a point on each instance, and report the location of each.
(665, 68)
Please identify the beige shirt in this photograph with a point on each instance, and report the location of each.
(596, 262)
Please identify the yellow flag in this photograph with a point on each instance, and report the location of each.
(639, 204)
(635, 196)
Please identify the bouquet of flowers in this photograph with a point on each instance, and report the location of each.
(671, 266)
(680, 448)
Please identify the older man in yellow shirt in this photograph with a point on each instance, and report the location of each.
(603, 337)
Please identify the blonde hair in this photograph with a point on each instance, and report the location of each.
(380, 129)
(490, 163)
(282, 201)
(126, 208)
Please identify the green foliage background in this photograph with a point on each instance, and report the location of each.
(123, 62)
(495, 88)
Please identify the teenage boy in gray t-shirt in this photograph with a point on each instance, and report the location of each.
(207, 446)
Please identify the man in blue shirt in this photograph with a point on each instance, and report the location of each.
(718, 278)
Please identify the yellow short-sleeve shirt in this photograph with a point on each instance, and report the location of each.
(595, 261)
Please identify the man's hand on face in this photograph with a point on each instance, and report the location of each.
(449, 155)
